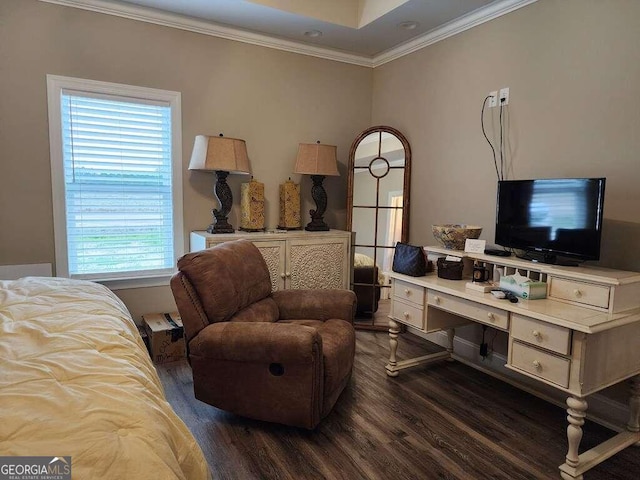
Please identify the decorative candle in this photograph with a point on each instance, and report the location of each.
(252, 206)
(289, 206)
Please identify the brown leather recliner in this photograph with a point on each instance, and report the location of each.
(281, 357)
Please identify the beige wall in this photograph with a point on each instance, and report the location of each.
(571, 66)
(272, 99)
(573, 69)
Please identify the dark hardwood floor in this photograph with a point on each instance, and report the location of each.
(443, 421)
(379, 321)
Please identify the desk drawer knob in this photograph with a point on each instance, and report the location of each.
(537, 335)
(537, 365)
(436, 299)
(405, 314)
(491, 316)
(407, 291)
(577, 293)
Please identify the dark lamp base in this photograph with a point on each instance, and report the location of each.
(220, 228)
(222, 192)
(319, 196)
(317, 225)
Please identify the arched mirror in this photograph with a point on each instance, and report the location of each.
(378, 212)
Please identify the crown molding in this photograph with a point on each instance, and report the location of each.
(459, 25)
(180, 22)
(143, 14)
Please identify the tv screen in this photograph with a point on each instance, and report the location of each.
(553, 217)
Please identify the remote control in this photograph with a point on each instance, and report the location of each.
(502, 294)
(511, 297)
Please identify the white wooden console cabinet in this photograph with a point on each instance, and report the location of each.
(297, 258)
(584, 337)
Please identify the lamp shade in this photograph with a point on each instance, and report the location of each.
(219, 154)
(316, 159)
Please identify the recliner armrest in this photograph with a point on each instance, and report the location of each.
(193, 316)
(316, 304)
(262, 342)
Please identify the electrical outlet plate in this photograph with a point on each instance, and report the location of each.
(493, 100)
(504, 96)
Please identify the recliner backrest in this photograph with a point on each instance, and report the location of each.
(227, 278)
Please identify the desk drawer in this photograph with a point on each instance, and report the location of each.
(407, 314)
(541, 334)
(541, 364)
(580, 292)
(491, 316)
(408, 292)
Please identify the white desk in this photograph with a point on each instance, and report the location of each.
(584, 337)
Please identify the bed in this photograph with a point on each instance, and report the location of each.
(76, 380)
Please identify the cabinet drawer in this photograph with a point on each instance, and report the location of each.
(407, 314)
(492, 316)
(580, 292)
(537, 362)
(409, 292)
(541, 334)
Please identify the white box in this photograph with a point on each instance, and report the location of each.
(483, 287)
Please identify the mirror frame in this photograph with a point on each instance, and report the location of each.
(406, 187)
(404, 236)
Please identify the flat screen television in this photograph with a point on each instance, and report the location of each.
(551, 218)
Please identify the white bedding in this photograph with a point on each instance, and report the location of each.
(362, 260)
(76, 380)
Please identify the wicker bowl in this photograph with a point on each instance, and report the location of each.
(453, 236)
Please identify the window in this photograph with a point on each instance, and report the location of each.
(116, 175)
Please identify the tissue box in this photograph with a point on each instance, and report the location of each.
(527, 290)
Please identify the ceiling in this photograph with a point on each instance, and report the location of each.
(359, 30)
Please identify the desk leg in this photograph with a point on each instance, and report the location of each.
(577, 411)
(634, 407)
(394, 330)
(575, 464)
(394, 366)
(451, 333)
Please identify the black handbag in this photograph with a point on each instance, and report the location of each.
(409, 260)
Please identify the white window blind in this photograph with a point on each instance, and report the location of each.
(119, 185)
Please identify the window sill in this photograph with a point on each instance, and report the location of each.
(143, 282)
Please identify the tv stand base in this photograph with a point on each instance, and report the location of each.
(549, 259)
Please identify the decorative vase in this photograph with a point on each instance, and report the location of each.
(252, 206)
(289, 206)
